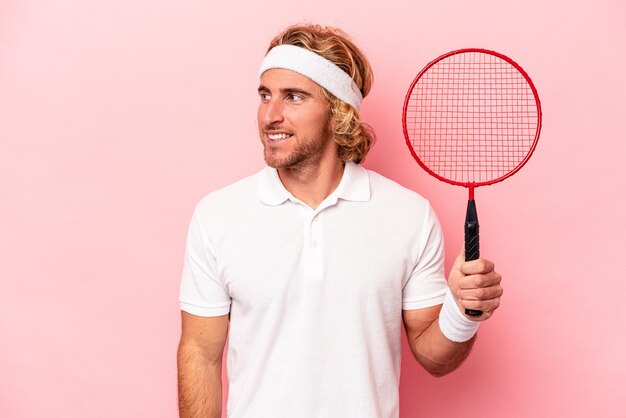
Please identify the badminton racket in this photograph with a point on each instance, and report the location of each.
(472, 118)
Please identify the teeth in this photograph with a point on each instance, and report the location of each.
(276, 137)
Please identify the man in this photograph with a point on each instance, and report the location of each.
(314, 262)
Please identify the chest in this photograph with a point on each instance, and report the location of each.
(289, 257)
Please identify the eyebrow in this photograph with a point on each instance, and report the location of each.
(286, 90)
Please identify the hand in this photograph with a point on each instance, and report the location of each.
(475, 285)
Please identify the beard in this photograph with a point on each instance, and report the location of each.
(304, 153)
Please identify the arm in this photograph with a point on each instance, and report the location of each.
(474, 285)
(200, 365)
(437, 354)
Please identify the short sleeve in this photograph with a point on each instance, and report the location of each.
(201, 291)
(427, 283)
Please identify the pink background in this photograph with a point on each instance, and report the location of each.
(116, 117)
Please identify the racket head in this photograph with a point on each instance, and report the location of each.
(472, 117)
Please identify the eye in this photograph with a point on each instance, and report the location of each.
(265, 97)
(294, 97)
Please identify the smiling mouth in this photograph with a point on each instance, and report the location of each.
(278, 137)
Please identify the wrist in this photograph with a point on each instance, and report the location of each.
(453, 324)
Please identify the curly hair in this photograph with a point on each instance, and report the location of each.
(354, 138)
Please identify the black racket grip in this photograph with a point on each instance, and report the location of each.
(472, 242)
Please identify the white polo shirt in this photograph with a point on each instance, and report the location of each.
(315, 296)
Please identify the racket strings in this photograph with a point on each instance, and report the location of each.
(472, 118)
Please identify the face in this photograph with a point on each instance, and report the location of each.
(293, 120)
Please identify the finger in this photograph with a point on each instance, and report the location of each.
(482, 293)
(475, 281)
(486, 306)
(479, 266)
(458, 261)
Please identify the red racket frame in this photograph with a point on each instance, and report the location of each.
(472, 185)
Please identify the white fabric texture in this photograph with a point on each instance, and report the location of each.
(315, 296)
(453, 324)
(315, 67)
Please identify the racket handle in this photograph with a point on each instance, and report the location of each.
(472, 243)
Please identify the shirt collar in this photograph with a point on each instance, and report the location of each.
(270, 189)
(354, 186)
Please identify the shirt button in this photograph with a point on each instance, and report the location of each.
(314, 244)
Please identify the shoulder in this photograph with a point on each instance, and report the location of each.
(405, 212)
(231, 198)
(385, 189)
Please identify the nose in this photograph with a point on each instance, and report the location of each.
(272, 112)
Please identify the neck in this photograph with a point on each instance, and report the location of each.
(312, 184)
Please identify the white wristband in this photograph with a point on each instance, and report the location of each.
(453, 324)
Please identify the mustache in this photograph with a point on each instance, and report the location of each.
(275, 127)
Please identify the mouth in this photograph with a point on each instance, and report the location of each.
(278, 136)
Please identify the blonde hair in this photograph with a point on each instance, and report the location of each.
(354, 138)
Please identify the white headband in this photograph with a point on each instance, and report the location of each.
(317, 68)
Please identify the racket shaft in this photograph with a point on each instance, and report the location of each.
(472, 243)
